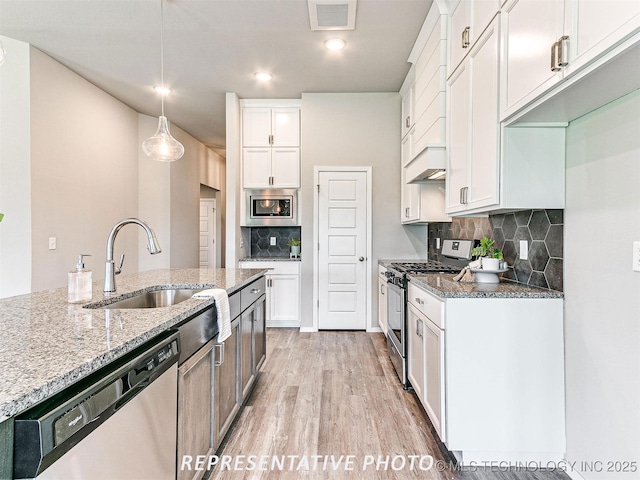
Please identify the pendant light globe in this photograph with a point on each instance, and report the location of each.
(161, 146)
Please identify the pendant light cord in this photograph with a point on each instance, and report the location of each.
(162, 55)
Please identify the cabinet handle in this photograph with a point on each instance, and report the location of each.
(417, 327)
(270, 139)
(255, 291)
(407, 122)
(555, 48)
(466, 195)
(562, 56)
(217, 363)
(465, 37)
(419, 301)
(406, 212)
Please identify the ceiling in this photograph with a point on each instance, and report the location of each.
(215, 46)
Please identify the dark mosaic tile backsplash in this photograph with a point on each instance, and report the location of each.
(543, 230)
(260, 241)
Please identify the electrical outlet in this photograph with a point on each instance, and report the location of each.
(636, 256)
(52, 243)
(272, 241)
(524, 250)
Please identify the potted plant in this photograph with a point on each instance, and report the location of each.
(294, 244)
(490, 255)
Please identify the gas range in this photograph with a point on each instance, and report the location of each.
(430, 266)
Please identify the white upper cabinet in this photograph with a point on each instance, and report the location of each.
(547, 42)
(474, 140)
(279, 127)
(271, 147)
(530, 29)
(271, 167)
(469, 18)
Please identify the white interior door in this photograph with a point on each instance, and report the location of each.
(208, 233)
(342, 250)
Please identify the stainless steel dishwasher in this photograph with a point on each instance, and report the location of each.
(118, 423)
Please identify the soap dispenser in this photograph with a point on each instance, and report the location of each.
(80, 288)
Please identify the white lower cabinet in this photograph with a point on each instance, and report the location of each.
(415, 351)
(282, 289)
(490, 374)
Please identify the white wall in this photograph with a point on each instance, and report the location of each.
(602, 293)
(15, 171)
(71, 167)
(84, 172)
(356, 129)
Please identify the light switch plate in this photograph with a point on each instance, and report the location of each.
(52, 243)
(438, 243)
(272, 241)
(636, 256)
(524, 250)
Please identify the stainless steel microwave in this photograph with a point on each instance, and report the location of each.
(271, 208)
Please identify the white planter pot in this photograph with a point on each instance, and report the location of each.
(295, 250)
(490, 263)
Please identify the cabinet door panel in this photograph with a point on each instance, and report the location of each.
(483, 59)
(256, 167)
(195, 408)
(458, 131)
(284, 295)
(382, 305)
(246, 351)
(594, 26)
(434, 372)
(286, 127)
(415, 357)
(530, 29)
(227, 397)
(256, 127)
(285, 167)
(259, 335)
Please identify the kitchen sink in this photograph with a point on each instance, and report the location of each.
(153, 299)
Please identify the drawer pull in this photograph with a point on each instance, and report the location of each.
(255, 291)
(217, 363)
(419, 301)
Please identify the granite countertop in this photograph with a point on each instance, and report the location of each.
(48, 344)
(442, 285)
(269, 259)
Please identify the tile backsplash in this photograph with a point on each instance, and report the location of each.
(542, 229)
(261, 236)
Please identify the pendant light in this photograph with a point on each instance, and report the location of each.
(162, 146)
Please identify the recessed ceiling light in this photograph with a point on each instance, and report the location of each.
(335, 44)
(162, 90)
(263, 76)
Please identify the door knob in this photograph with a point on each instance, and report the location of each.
(361, 259)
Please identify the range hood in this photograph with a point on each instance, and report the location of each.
(428, 165)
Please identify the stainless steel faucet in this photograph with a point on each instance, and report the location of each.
(111, 270)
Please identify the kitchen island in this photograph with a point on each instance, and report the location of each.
(49, 344)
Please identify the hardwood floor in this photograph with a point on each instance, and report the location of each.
(336, 394)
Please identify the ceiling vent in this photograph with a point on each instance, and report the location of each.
(332, 14)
